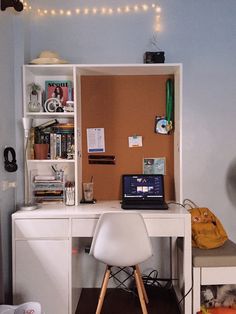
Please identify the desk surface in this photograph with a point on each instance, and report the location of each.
(95, 210)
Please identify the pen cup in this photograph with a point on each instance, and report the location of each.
(88, 191)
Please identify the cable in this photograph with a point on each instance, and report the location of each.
(181, 300)
(189, 203)
(152, 279)
(176, 203)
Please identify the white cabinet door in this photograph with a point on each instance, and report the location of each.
(41, 274)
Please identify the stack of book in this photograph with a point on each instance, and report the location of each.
(60, 138)
(62, 141)
(48, 189)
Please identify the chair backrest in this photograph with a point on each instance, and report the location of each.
(121, 239)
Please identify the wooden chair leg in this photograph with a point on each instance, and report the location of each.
(103, 290)
(140, 292)
(142, 284)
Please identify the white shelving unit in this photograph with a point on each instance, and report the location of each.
(39, 74)
(73, 72)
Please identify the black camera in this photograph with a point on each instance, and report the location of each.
(154, 57)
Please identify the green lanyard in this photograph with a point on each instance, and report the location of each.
(169, 100)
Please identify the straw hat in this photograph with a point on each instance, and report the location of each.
(48, 57)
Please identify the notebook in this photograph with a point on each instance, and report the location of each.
(143, 191)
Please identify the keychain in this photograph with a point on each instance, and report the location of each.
(163, 125)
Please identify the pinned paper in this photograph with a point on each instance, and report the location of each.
(135, 141)
(95, 140)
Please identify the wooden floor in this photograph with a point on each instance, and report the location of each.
(117, 301)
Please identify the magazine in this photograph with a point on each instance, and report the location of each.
(62, 90)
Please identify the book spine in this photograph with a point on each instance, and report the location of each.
(52, 145)
(58, 145)
(63, 146)
(70, 93)
(69, 143)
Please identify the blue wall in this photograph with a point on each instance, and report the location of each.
(7, 138)
(200, 34)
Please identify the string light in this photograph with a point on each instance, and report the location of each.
(145, 7)
(129, 8)
(103, 10)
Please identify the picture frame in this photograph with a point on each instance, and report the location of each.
(154, 165)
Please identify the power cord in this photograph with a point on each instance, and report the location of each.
(152, 279)
(176, 203)
(187, 293)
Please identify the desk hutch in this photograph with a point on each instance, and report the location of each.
(124, 100)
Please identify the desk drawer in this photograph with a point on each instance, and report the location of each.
(165, 227)
(83, 227)
(156, 227)
(41, 228)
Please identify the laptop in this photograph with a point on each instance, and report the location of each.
(143, 191)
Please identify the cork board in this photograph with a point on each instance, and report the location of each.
(125, 106)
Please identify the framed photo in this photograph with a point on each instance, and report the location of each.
(154, 165)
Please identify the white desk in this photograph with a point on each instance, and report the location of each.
(44, 261)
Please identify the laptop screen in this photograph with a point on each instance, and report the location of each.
(143, 187)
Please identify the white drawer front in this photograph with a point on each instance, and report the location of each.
(83, 227)
(165, 227)
(43, 228)
(156, 227)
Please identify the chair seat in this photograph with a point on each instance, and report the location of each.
(224, 256)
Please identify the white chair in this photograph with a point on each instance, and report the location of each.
(25, 308)
(121, 240)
